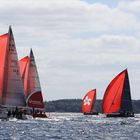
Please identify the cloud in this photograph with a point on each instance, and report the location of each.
(130, 6)
(78, 65)
(77, 45)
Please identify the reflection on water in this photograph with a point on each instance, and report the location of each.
(71, 126)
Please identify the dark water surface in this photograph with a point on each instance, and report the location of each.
(71, 126)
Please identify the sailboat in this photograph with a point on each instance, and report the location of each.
(88, 103)
(11, 88)
(117, 98)
(31, 83)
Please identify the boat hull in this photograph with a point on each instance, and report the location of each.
(40, 116)
(91, 113)
(126, 114)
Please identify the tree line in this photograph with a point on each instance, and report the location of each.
(74, 105)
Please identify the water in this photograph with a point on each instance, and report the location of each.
(71, 126)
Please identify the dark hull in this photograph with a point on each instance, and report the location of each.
(40, 116)
(120, 115)
(91, 113)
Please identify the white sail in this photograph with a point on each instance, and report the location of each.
(33, 78)
(30, 79)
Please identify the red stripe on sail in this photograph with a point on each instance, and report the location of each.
(3, 49)
(35, 100)
(88, 101)
(113, 94)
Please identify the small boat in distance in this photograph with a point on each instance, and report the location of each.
(88, 103)
(117, 98)
(31, 84)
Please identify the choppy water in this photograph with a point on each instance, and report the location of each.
(73, 126)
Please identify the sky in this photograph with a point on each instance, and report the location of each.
(78, 45)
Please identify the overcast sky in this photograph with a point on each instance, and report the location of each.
(78, 45)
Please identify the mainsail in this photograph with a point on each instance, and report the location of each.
(30, 79)
(117, 97)
(11, 88)
(89, 101)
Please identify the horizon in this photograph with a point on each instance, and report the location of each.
(78, 45)
(82, 99)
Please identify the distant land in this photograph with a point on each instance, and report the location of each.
(74, 105)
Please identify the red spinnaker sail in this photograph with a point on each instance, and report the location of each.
(3, 48)
(23, 63)
(88, 101)
(30, 79)
(24, 70)
(113, 94)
